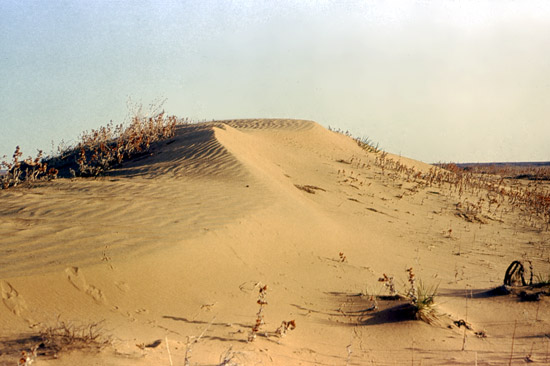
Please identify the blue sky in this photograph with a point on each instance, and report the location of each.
(436, 81)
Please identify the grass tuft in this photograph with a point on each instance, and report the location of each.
(425, 302)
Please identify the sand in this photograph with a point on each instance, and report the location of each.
(175, 247)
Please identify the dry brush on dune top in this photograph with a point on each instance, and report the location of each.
(25, 170)
(96, 152)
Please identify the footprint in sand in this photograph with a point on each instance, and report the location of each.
(122, 286)
(76, 278)
(11, 298)
(14, 301)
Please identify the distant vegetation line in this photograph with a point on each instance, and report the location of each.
(514, 170)
(518, 164)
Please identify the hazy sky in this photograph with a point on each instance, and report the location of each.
(432, 80)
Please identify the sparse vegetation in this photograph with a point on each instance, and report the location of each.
(63, 337)
(281, 331)
(367, 144)
(492, 191)
(342, 256)
(68, 336)
(30, 169)
(98, 150)
(191, 341)
(262, 294)
(285, 327)
(541, 280)
(420, 296)
(102, 149)
(364, 142)
(482, 190)
(388, 282)
(425, 301)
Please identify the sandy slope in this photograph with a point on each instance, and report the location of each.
(174, 245)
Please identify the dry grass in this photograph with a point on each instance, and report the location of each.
(262, 294)
(18, 170)
(482, 193)
(420, 297)
(491, 189)
(388, 283)
(102, 149)
(67, 336)
(364, 142)
(51, 341)
(425, 301)
(285, 327)
(98, 150)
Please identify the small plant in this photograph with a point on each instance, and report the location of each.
(27, 358)
(191, 341)
(259, 315)
(420, 297)
(388, 282)
(285, 327)
(226, 359)
(412, 294)
(367, 144)
(541, 280)
(67, 336)
(343, 258)
(425, 301)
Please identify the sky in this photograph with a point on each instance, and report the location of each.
(437, 81)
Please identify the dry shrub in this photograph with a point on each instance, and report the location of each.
(67, 336)
(98, 150)
(30, 169)
(107, 147)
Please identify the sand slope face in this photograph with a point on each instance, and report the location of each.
(188, 185)
(177, 244)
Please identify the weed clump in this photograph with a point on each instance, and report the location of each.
(102, 149)
(285, 327)
(96, 152)
(51, 341)
(67, 336)
(18, 171)
(259, 315)
(388, 283)
(420, 297)
(281, 331)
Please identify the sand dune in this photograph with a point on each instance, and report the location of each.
(176, 244)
